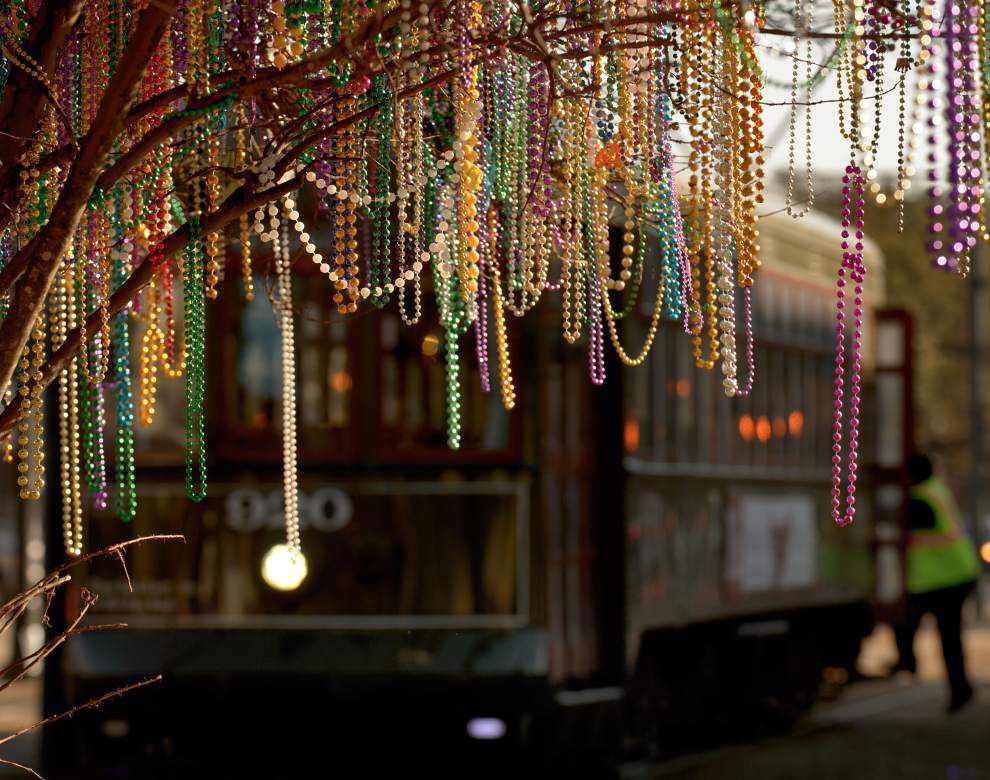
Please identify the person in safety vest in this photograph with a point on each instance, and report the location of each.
(942, 568)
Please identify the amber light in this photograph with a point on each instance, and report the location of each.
(779, 427)
(746, 427)
(795, 423)
(763, 429)
(985, 552)
(341, 381)
(430, 346)
(630, 435)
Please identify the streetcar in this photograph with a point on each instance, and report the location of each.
(604, 567)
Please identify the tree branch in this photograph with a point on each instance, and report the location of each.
(293, 75)
(242, 201)
(25, 98)
(48, 247)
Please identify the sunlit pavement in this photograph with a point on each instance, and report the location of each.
(883, 728)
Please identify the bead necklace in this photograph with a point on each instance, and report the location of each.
(602, 264)
(906, 168)
(290, 478)
(804, 19)
(151, 346)
(124, 462)
(193, 301)
(379, 263)
(498, 310)
(596, 335)
(89, 288)
(491, 176)
(30, 426)
(702, 247)
(243, 222)
(213, 251)
(663, 206)
(410, 226)
(481, 321)
(728, 172)
(983, 46)
(466, 121)
(72, 508)
(572, 284)
(962, 121)
(452, 316)
(928, 95)
(851, 269)
(851, 266)
(749, 261)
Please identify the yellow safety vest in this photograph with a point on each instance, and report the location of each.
(942, 556)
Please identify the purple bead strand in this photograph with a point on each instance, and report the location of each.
(853, 204)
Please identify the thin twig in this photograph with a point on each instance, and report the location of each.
(91, 704)
(15, 765)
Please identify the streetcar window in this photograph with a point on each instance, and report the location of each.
(248, 387)
(682, 417)
(380, 553)
(413, 405)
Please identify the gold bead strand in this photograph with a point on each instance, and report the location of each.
(244, 223)
(38, 387)
(498, 310)
(198, 73)
(571, 232)
(72, 515)
(102, 248)
(803, 22)
(213, 249)
(754, 184)
(30, 453)
(707, 89)
(731, 171)
(151, 349)
(610, 320)
(843, 63)
(74, 531)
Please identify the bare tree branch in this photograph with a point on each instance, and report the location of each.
(48, 247)
(91, 704)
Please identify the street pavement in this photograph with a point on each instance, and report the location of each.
(873, 729)
(876, 729)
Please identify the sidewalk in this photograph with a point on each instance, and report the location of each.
(879, 651)
(20, 707)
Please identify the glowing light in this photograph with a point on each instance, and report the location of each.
(282, 570)
(486, 728)
(763, 429)
(985, 551)
(630, 435)
(341, 381)
(795, 423)
(115, 728)
(430, 345)
(682, 388)
(779, 427)
(746, 427)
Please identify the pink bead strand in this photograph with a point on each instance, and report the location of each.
(852, 262)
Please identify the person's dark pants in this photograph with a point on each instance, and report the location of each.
(946, 605)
